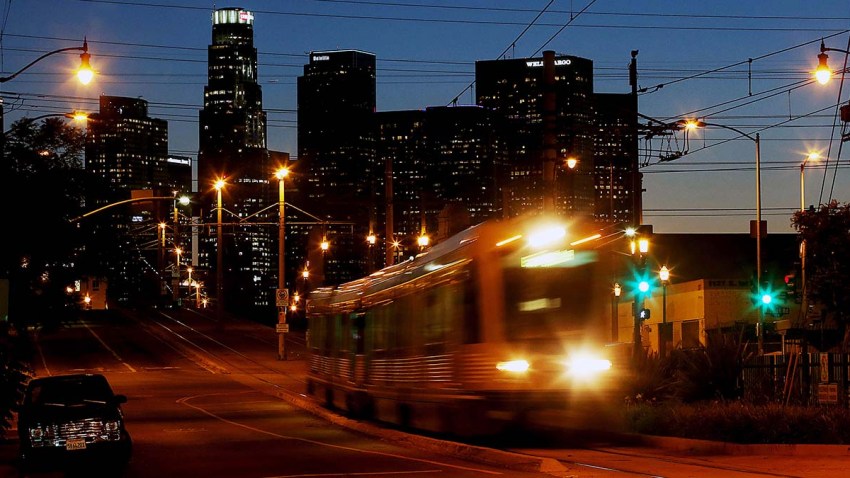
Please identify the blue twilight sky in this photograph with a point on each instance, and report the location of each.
(697, 51)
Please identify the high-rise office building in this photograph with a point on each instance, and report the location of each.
(128, 151)
(446, 165)
(336, 102)
(516, 89)
(336, 151)
(232, 145)
(616, 152)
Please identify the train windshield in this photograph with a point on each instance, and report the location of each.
(548, 302)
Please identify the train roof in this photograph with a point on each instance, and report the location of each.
(439, 256)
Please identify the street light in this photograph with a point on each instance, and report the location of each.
(78, 116)
(664, 275)
(219, 269)
(691, 125)
(423, 241)
(823, 73)
(813, 156)
(84, 72)
(280, 174)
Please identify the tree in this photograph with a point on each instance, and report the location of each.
(42, 184)
(826, 231)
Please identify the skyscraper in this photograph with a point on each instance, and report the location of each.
(232, 123)
(128, 152)
(336, 102)
(446, 165)
(615, 152)
(232, 145)
(336, 151)
(516, 89)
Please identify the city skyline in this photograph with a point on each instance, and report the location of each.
(426, 58)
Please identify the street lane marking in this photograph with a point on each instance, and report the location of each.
(109, 348)
(185, 401)
(357, 474)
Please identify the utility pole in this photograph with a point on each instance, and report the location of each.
(549, 137)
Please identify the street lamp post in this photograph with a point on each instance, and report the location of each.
(664, 275)
(689, 125)
(813, 156)
(282, 294)
(823, 73)
(175, 276)
(219, 255)
(615, 312)
(84, 73)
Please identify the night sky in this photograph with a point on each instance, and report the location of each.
(693, 62)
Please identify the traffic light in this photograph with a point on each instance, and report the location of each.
(643, 286)
(643, 314)
(791, 286)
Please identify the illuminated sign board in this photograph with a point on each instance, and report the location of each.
(321, 58)
(539, 63)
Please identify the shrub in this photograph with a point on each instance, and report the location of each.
(739, 422)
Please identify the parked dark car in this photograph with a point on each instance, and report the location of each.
(66, 420)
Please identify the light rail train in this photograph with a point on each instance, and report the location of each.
(501, 319)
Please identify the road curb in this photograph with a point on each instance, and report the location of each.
(487, 456)
(707, 447)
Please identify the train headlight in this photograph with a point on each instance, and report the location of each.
(586, 367)
(518, 366)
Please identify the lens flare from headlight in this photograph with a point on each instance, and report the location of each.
(587, 367)
(517, 366)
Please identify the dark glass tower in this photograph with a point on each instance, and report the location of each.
(336, 151)
(336, 154)
(615, 152)
(515, 88)
(232, 145)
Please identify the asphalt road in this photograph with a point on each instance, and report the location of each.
(199, 407)
(208, 397)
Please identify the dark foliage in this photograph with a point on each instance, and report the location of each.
(826, 231)
(15, 351)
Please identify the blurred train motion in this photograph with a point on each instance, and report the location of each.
(501, 319)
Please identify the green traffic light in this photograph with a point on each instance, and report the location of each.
(643, 286)
(766, 299)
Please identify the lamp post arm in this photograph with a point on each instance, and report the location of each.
(126, 201)
(83, 49)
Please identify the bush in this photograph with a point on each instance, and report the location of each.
(14, 373)
(738, 422)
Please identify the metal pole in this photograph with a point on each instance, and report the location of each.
(219, 264)
(389, 256)
(662, 342)
(175, 274)
(758, 249)
(549, 138)
(281, 271)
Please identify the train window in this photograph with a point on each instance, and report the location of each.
(433, 317)
(358, 324)
(469, 318)
(547, 302)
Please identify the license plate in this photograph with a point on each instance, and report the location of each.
(75, 444)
